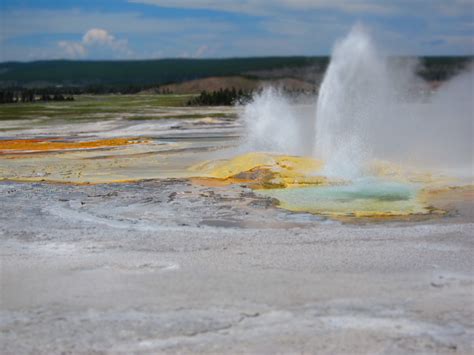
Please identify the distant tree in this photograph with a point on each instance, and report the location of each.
(221, 97)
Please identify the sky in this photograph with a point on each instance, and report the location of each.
(145, 29)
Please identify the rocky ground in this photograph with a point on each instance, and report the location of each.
(166, 266)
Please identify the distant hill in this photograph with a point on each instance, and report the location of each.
(237, 82)
(140, 72)
(149, 73)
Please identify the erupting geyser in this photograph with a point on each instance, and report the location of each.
(374, 107)
(272, 124)
(382, 135)
(370, 107)
(353, 91)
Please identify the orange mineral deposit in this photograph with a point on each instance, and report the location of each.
(36, 145)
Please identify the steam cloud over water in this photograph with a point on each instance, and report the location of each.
(370, 107)
(272, 124)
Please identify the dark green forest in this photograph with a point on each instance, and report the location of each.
(60, 80)
(163, 71)
(139, 72)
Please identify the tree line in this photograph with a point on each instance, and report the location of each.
(11, 96)
(20, 94)
(221, 97)
(161, 72)
(229, 97)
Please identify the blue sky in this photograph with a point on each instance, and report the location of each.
(136, 29)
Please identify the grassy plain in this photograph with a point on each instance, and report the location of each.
(87, 107)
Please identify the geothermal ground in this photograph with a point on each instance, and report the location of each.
(136, 228)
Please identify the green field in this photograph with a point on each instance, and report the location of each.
(90, 107)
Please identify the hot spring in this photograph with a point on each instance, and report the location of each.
(377, 140)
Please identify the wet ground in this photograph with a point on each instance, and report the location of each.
(141, 236)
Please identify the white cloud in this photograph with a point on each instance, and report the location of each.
(270, 27)
(201, 51)
(349, 6)
(168, 36)
(98, 36)
(73, 49)
(95, 38)
(455, 7)
(364, 7)
(198, 53)
(269, 7)
(253, 7)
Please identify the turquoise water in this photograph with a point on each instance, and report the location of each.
(362, 197)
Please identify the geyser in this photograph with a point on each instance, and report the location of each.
(272, 124)
(356, 93)
(375, 121)
(374, 107)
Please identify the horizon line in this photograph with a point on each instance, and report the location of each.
(224, 58)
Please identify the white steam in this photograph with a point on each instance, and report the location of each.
(273, 124)
(354, 90)
(369, 107)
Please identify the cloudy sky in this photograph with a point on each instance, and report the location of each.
(133, 29)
